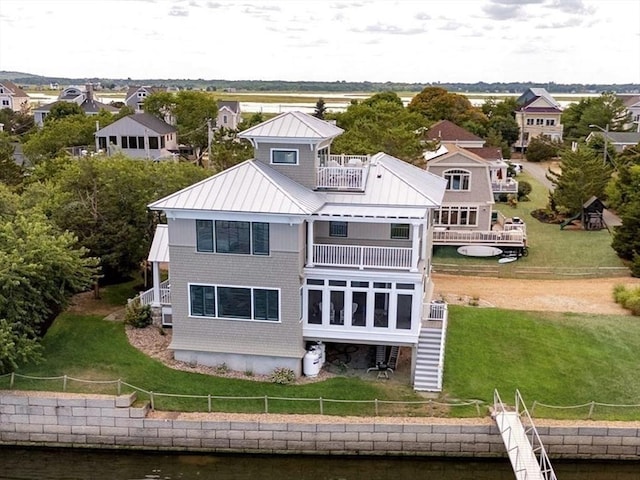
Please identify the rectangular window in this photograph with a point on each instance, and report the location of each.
(539, 121)
(133, 142)
(403, 312)
(204, 235)
(550, 122)
(5, 103)
(162, 142)
(234, 302)
(113, 140)
(102, 143)
(314, 281)
(287, 157)
(202, 301)
(400, 231)
(125, 142)
(338, 229)
(153, 143)
(233, 237)
(529, 121)
(314, 307)
(141, 143)
(260, 238)
(457, 216)
(265, 304)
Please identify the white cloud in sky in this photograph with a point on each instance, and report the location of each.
(564, 41)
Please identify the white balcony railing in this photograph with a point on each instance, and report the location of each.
(514, 237)
(340, 177)
(147, 297)
(362, 256)
(508, 186)
(342, 172)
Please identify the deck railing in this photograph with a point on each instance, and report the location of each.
(338, 177)
(344, 160)
(147, 297)
(362, 256)
(514, 237)
(505, 186)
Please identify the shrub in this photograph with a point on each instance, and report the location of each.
(628, 298)
(635, 266)
(524, 189)
(137, 315)
(283, 376)
(222, 369)
(541, 149)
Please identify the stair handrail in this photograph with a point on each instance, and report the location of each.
(536, 443)
(500, 407)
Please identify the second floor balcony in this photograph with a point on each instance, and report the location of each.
(342, 172)
(504, 186)
(361, 257)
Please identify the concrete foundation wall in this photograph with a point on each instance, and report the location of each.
(96, 421)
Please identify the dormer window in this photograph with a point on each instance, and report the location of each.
(284, 156)
(457, 179)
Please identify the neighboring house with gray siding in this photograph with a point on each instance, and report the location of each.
(140, 135)
(298, 246)
(83, 96)
(229, 114)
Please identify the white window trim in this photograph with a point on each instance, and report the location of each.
(215, 239)
(457, 171)
(215, 299)
(459, 208)
(285, 150)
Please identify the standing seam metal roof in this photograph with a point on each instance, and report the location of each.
(293, 125)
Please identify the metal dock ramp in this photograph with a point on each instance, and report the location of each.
(527, 454)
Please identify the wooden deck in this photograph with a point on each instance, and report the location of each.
(510, 238)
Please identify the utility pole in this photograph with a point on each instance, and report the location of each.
(209, 140)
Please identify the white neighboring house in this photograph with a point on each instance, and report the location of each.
(229, 115)
(299, 246)
(140, 135)
(83, 96)
(538, 114)
(136, 96)
(618, 140)
(12, 96)
(632, 104)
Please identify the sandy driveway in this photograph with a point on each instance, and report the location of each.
(580, 296)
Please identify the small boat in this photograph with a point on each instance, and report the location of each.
(479, 251)
(508, 259)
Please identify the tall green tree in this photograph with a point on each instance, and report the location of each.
(228, 150)
(40, 269)
(607, 109)
(63, 109)
(191, 110)
(10, 172)
(380, 123)
(57, 135)
(17, 123)
(320, 109)
(582, 175)
(436, 103)
(104, 202)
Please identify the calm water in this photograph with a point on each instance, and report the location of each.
(38, 464)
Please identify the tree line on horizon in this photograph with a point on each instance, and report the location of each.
(315, 86)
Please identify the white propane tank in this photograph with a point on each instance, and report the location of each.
(311, 363)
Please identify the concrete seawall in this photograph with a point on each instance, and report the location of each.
(103, 421)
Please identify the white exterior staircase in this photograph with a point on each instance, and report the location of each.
(427, 376)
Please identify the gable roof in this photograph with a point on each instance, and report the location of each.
(152, 122)
(134, 89)
(532, 95)
(290, 125)
(15, 90)
(489, 153)
(271, 193)
(629, 100)
(447, 131)
(452, 150)
(88, 106)
(628, 138)
(232, 105)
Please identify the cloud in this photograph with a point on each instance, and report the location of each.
(502, 12)
(213, 5)
(178, 12)
(422, 16)
(389, 29)
(572, 22)
(451, 25)
(340, 6)
(575, 7)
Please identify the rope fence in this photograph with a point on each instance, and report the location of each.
(516, 271)
(265, 403)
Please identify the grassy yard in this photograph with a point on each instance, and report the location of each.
(548, 245)
(556, 359)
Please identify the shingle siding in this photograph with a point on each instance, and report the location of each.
(304, 173)
(279, 270)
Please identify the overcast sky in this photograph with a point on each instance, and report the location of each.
(562, 41)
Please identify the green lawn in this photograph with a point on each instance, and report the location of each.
(548, 245)
(556, 359)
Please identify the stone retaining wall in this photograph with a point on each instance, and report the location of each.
(101, 421)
